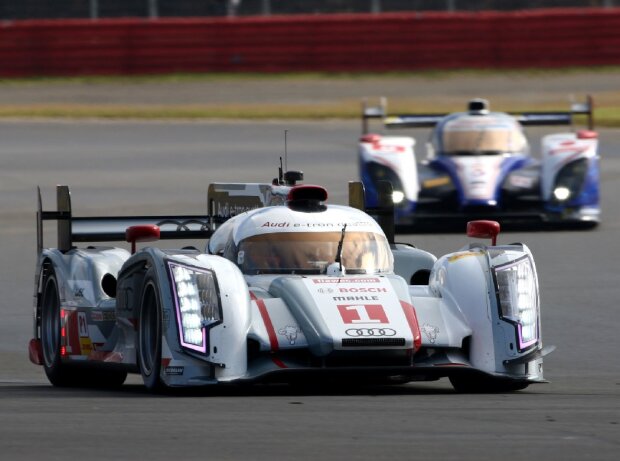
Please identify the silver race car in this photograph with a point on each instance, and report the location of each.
(288, 288)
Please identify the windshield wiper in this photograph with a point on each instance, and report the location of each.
(339, 251)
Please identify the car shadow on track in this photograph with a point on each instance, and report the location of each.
(28, 391)
(257, 390)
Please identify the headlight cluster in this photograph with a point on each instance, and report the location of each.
(570, 180)
(197, 303)
(517, 289)
(380, 172)
(398, 196)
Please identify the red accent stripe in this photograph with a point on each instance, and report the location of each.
(73, 333)
(412, 320)
(273, 338)
(278, 362)
(63, 332)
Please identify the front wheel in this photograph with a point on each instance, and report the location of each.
(149, 336)
(485, 384)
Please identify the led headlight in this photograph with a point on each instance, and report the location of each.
(197, 303)
(517, 289)
(561, 193)
(570, 180)
(397, 196)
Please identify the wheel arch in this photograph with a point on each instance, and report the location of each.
(50, 262)
(413, 264)
(226, 353)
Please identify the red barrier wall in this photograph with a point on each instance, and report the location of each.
(360, 42)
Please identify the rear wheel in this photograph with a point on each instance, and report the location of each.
(57, 372)
(149, 336)
(485, 384)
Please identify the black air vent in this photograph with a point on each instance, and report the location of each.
(307, 192)
(307, 198)
(373, 342)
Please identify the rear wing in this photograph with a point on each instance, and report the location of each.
(224, 201)
(73, 229)
(533, 118)
(230, 199)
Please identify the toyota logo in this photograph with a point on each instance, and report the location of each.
(369, 332)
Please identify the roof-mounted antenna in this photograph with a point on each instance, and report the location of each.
(283, 168)
(285, 151)
(285, 177)
(280, 174)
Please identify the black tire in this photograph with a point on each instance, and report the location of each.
(149, 336)
(59, 373)
(468, 384)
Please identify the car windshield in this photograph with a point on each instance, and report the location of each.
(312, 252)
(464, 137)
(482, 142)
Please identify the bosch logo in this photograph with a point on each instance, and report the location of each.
(363, 290)
(369, 332)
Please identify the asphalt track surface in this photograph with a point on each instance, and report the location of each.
(157, 167)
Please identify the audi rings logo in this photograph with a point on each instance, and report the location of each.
(370, 332)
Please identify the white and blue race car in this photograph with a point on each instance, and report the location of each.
(478, 166)
(288, 288)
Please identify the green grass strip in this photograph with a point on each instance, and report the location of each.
(302, 76)
(607, 109)
(604, 116)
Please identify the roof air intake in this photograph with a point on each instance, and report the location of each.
(307, 198)
(478, 107)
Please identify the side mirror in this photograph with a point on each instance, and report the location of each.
(483, 230)
(142, 233)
